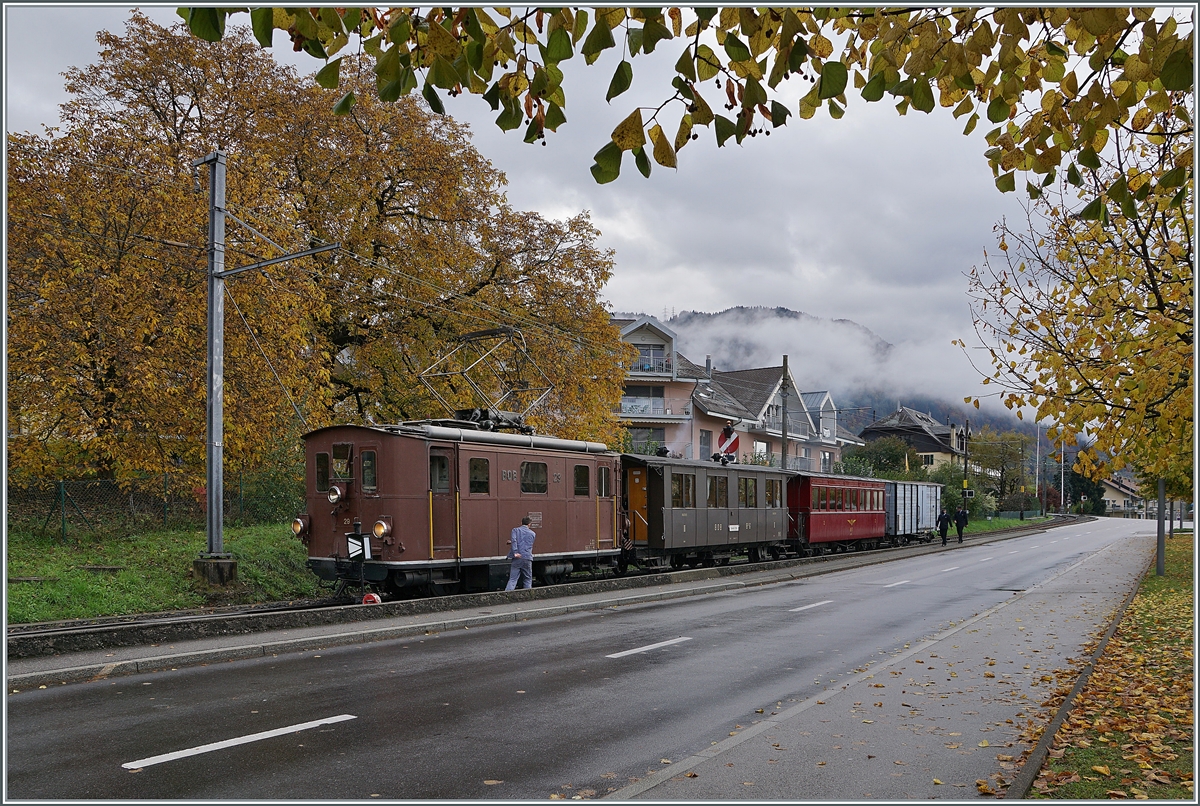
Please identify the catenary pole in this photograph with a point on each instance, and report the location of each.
(216, 353)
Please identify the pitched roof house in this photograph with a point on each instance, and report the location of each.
(936, 443)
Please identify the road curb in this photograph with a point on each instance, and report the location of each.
(793, 570)
(1020, 786)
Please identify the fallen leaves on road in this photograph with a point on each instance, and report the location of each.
(492, 782)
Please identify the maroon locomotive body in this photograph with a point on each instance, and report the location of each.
(427, 508)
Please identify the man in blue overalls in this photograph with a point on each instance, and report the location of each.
(521, 553)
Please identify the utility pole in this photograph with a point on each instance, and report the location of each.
(215, 565)
(1037, 487)
(1160, 567)
(783, 393)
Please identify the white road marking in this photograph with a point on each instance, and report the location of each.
(1012, 552)
(1037, 546)
(806, 607)
(1052, 542)
(646, 648)
(951, 568)
(254, 737)
(894, 584)
(985, 559)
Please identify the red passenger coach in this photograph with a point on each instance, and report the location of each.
(425, 508)
(839, 512)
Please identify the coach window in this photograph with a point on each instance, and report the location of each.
(583, 480)
(683, 490)
(439, 474)
(479, 470)
(370, 474)
(747, 492)
(718, 492)
(774, 487)
(603, 481)
(533, 477)
(824, 498)
(841, 499)
(322, 472)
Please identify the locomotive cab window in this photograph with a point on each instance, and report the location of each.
(439, 473)
(603, 481)
(480, 477)
(370, 472)
(322, 472)
(533, 477)
(583, 480)
(747, 492)
(683, 490)
(718, 492)
(341, 460)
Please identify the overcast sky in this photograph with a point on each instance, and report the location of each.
(873, 218)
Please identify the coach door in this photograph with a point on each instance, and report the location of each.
(636, 488)
(443, 509)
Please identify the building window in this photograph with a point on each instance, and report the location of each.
(651, 358)
(683, 490)
(718, 492)
(647, 440)
(826, 461)
(583, 480)
(479, 471)
(747, 492)
(761, 448)
(533, 477)
(927, 459)
(706, 448)
(369, 472)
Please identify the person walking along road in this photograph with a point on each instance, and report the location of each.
(943, 524)
(521, 553)
(960, 521)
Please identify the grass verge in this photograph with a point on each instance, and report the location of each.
(982, 525)
(91, 577)
(1130, 733)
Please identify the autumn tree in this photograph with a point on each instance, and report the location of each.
(1060, 86)
(1089, 315)
(886, 457)
(107, 269)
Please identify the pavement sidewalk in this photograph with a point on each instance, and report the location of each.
(940, 719)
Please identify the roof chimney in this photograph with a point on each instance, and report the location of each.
(708, 366)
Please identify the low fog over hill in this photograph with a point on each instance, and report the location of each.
(861, 370)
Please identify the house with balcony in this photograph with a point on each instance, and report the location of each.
(1122, 498)
(670, 402)
(656, 404)
(935, 443)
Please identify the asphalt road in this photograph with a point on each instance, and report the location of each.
(579, 705)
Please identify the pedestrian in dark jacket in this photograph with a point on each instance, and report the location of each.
(960, 521)
(943, 524)
(521, 554)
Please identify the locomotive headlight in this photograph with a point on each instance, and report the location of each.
(334, 495)
(381, 529)
(299, 527)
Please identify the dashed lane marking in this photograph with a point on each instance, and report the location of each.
(647, 648)
(1012, 552)
(806, 607)
(254, 737)
(985, 559)
(894, 584)
(951, 568)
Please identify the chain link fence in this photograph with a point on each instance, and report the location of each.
(104, 506)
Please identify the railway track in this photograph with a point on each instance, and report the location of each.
(48, 638)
